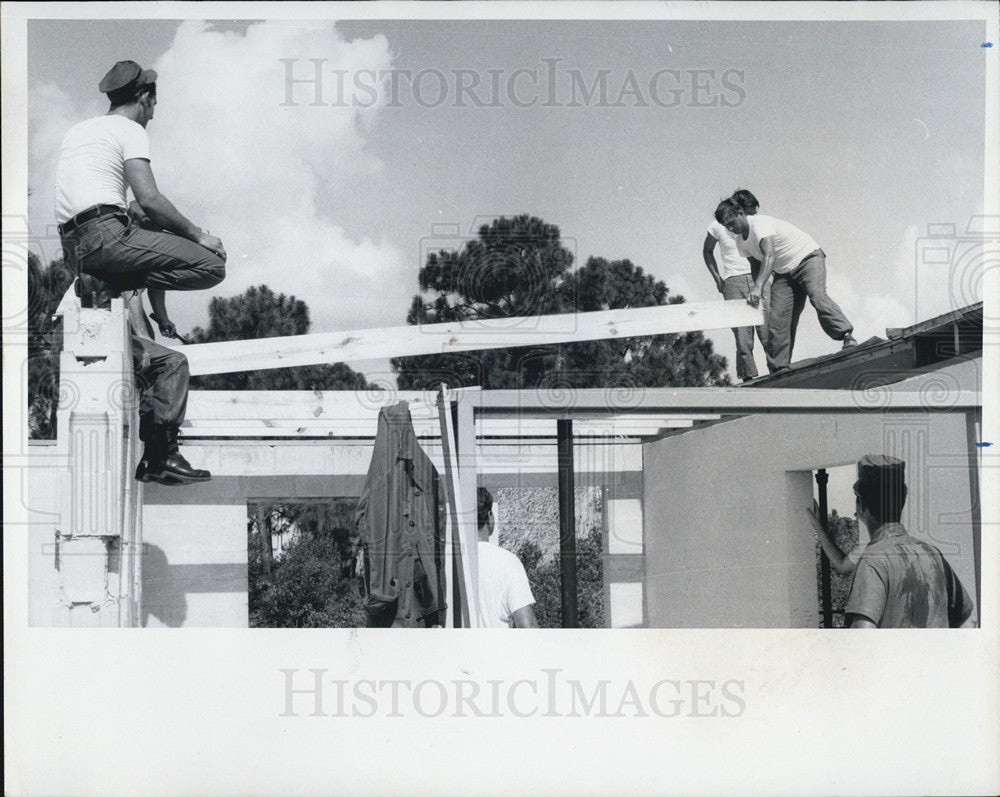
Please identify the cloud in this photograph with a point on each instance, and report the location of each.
(50, 113)
(257, 172)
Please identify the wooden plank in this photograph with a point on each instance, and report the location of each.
(468, 481)
(456, 554)
(310, 405)
(495, 333)
(723, 400)
(682, 402)
(491, 429)
(447, 484)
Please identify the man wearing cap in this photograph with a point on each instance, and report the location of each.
(99, 160)
(798, 266)
(899, 581)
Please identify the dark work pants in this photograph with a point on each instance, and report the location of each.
(739, 287)
(127, 256)
(162, 378)
(788, 298)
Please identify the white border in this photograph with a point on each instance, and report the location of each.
(197, 711)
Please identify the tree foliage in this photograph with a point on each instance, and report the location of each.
(844, 532)
(311, 583)
(545, 578)
(260, 313)
(520, 267)
(46, 286)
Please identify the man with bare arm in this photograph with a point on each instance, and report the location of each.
(99, 160)
(734, 278)
(798, 266)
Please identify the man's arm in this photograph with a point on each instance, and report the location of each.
(158, 301)
(767, 247)
(524, 617)
(860, 621)
(139, 175)
(708, 252)
(839, 561)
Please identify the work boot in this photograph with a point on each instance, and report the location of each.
(163, 463)
(146, 472)
(150, 467)
(174, 463)
(849, 342)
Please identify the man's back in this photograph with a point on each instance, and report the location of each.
(791, 245)
(902, 582)
(90, 170)
(503, 586)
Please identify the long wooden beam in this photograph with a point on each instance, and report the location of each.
(684, 402)
(495, 333)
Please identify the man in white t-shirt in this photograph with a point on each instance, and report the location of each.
(99, 160)
(505, 599)
(799, 269)
(733, 277)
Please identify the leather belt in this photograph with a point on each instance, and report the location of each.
(89, 214)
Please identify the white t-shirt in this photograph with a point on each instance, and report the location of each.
(91, 166)
(790, 244)
(731, 263)
(503, 586)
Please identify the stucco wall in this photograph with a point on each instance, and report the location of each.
(726, 540)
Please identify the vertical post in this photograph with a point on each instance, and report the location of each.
(973, 431)
(468, 528)
(458, 438)
(567, 523)
(826, 589)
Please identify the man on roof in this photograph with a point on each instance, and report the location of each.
(798, 266)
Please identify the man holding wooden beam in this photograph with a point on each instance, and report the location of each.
(734, 277)
(799, 269)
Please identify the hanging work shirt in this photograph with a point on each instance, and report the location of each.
(790, 244)
(731, 263)
(503, 586)
(397, 520)
(903, 582)
(91, 166)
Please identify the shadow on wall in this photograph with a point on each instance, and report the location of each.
(163, 590)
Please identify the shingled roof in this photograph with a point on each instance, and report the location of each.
(903, 353)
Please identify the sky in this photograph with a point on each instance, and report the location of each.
(860, 133)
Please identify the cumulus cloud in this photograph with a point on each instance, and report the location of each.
(257, 172)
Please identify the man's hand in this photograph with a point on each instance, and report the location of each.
(753, 298)
(166, 326)
(720, 284)
(211, 243)
(815, 522)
